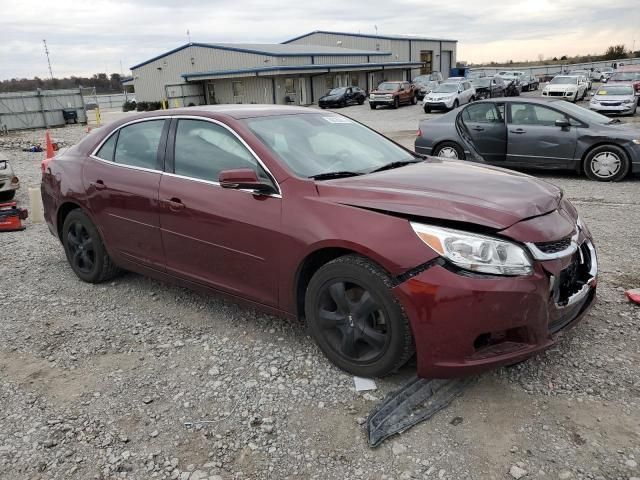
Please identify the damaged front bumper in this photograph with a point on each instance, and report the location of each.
(464, 323)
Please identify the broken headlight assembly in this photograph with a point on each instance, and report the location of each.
(474, 252)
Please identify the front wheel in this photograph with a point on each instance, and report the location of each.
(396, 102)
(85, 250)
(356, 320)
(361, 101)
(456, 104)
(427, 109)
(372, 106)
(414, 100)
(606, 163)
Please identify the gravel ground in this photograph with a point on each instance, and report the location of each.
(99, 381)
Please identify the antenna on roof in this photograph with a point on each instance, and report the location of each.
(189, 35)
(376, 27)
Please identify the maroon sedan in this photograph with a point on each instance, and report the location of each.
(310, 215)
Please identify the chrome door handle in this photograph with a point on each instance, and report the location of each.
(518, 130)
(175, 204)
(98, 185)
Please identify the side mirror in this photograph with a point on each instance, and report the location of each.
(562, 123)
(244, 178)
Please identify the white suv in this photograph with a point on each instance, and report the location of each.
(449, 95)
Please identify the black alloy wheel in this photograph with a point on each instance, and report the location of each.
(356, 319)
(85, 250)
(80, 244)
(396, 102)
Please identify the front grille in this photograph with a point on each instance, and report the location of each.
(571, 280)
(611, 104)
(554, 247)
(556, 94)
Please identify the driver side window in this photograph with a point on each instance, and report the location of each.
(204, 149)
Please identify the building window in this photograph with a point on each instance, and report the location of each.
(328, 82)
(289, 86)
(238, 89)
(426, 57)
(354, 80)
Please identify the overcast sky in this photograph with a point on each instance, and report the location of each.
(86, 37)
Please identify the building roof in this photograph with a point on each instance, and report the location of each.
(272, 50)
(365, 35)
(286, 68)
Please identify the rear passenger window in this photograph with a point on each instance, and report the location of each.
(107, 149)
(481, 113)
(204, 149)
(138, 144)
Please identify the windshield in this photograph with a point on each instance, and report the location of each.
(625, 76)
(388, 87)
(579, 72)
(314, 144)
(615, 90)
(446, 88)
(480, 82)
(337, 91)
(422, 79)
(563, 80)
(588, 116)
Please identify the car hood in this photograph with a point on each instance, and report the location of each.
(331, 97)
(449, 190)
(562, 87)
(613, 98)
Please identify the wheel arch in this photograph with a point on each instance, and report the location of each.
(314, 261)
(63, 211)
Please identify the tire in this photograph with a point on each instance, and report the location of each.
(7, 195)
(427, 109)
(396, 103)
(361, 101)
(414, 100)
(606, 163)
(456, 104)
(472, 99)
(85, 250)
(323, 107)
(372, 106)
(335, 294)
(342, 104)
(449, 150)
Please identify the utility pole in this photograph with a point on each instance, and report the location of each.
(46, 51)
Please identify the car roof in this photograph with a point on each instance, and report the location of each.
(540, 100)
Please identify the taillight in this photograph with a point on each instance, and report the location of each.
(45, 164)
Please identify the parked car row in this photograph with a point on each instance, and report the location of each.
(9, 183)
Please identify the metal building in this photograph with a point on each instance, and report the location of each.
(297, 71)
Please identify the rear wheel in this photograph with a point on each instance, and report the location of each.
(606, 163)
(356, 320)
(449, 150)
(85, 251)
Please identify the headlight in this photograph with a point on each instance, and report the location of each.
(478, 253)
(626, 101)
(636, 141)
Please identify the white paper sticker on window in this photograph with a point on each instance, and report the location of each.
(337, 120)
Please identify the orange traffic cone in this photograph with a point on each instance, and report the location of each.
(50, 152)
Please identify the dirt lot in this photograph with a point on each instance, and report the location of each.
(98, 381)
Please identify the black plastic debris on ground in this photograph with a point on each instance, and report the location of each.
(417, 400)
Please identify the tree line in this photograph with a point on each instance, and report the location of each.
(102, 82)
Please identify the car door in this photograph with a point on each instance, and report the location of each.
(534, 140)
(121, 179)
(486, 126)
(348, 95)
(223, 238)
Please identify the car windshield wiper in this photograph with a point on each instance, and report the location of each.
(392, 165)
(340, 174)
